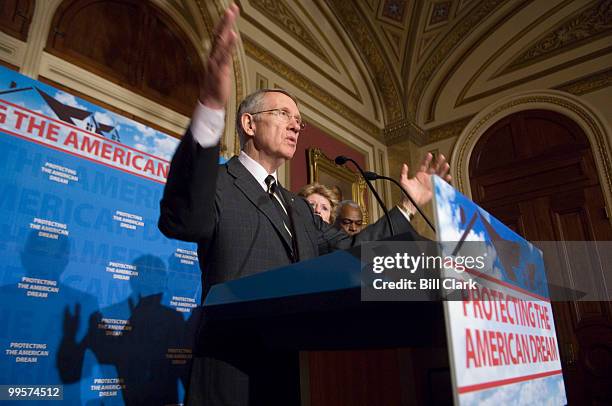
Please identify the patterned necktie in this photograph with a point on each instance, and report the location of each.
(277, 199)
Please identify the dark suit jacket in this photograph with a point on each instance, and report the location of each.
(235, 223)
(240, 232)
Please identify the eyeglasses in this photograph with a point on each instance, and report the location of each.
(285, 116)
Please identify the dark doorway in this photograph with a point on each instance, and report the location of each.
(534, 170)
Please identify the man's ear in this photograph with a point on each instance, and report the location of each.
(248, 124)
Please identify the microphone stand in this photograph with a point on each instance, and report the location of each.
(341, 160)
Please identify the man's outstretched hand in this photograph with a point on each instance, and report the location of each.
(420, 186)
(217, 82)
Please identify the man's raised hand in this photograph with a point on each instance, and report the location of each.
(420, 186)
(217, 82)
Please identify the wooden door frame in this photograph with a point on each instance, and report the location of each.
(592, 122)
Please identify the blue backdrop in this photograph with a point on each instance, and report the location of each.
(92, 296)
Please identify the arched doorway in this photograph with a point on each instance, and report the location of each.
(535, 171)
(132, 43)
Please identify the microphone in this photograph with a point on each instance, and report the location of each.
(373, 176)
(341, 160)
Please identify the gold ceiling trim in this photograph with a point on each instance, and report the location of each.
(339, 59)
(411, 40)
(588, 24)
(537, 75)
(407, 129)
(462, 4)
(379, 14)
(372, 4)
(501, 49)
(209, 24)
(588, 84)
(393, 40)
(431, 113)
(370, 49)
(448, 130)
(436, 26)
(284, 17)
(189, 17)
(321, 5)
(307, 61)
(404, 129)
(262, 56)
(444, 49)
(426, 40)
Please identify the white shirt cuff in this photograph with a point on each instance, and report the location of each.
(207, 125)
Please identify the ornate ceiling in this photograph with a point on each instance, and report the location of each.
(419, 69)
(387, 70)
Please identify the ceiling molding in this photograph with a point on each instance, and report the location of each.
(463, 4)
(544, 72)
(426, 40)
(588, 24)
(411, 39)
(300, 81)
(394, 40)
(462, 58)
(589, 83)
(573, 107)
(393, 12)
(372, 4)
(312, 64)
(536, 23)
(407, 129)
(371, 94)
(370, 49)
(447, 130)
(284, 17)
(402, 130)
(438, 16)
(444, 48)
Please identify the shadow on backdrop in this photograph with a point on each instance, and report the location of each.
(135, 342)
(31, 310)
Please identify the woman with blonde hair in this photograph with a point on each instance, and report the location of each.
(322, 199)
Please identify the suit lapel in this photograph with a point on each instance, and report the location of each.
(248, 185)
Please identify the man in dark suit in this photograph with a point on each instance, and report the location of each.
(244, 222)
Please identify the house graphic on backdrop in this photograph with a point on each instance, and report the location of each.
(80, 118)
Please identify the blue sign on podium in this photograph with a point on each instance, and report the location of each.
(501, 336)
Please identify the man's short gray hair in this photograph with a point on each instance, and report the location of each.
(251, 104)
(343, 203)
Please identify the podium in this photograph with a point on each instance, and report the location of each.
(496, 331)
(315, 305)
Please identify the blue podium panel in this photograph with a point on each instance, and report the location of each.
(333, 272)
(315, 304)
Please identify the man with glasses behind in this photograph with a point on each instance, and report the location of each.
(245, 222)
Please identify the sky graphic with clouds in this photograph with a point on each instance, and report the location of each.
(453, 211)
(131, 133)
